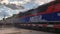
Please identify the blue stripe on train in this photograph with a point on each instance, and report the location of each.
(24, 20)
(51, 17)
(48, 17)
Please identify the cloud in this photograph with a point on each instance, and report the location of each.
(40, 2)
(14, 6)
(19, 4)
(4, 1)
(19, 1)
(30, 5)
(4, 11)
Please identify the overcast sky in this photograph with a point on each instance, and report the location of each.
(27, 4)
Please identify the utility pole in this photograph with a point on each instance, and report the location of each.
(4, 21)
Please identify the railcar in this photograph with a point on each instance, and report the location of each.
(46, 17)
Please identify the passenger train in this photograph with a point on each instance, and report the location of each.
(45, 17)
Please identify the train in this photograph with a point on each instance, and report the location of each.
(45, 18)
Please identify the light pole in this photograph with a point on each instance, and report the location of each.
(4, 21)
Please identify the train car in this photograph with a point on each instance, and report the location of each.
(46, 17)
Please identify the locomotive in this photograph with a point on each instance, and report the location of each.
(45, 17)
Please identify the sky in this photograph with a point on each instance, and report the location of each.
(8, 11)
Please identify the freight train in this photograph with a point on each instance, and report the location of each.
(45, 17)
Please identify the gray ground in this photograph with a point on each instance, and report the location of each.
(13, 30)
